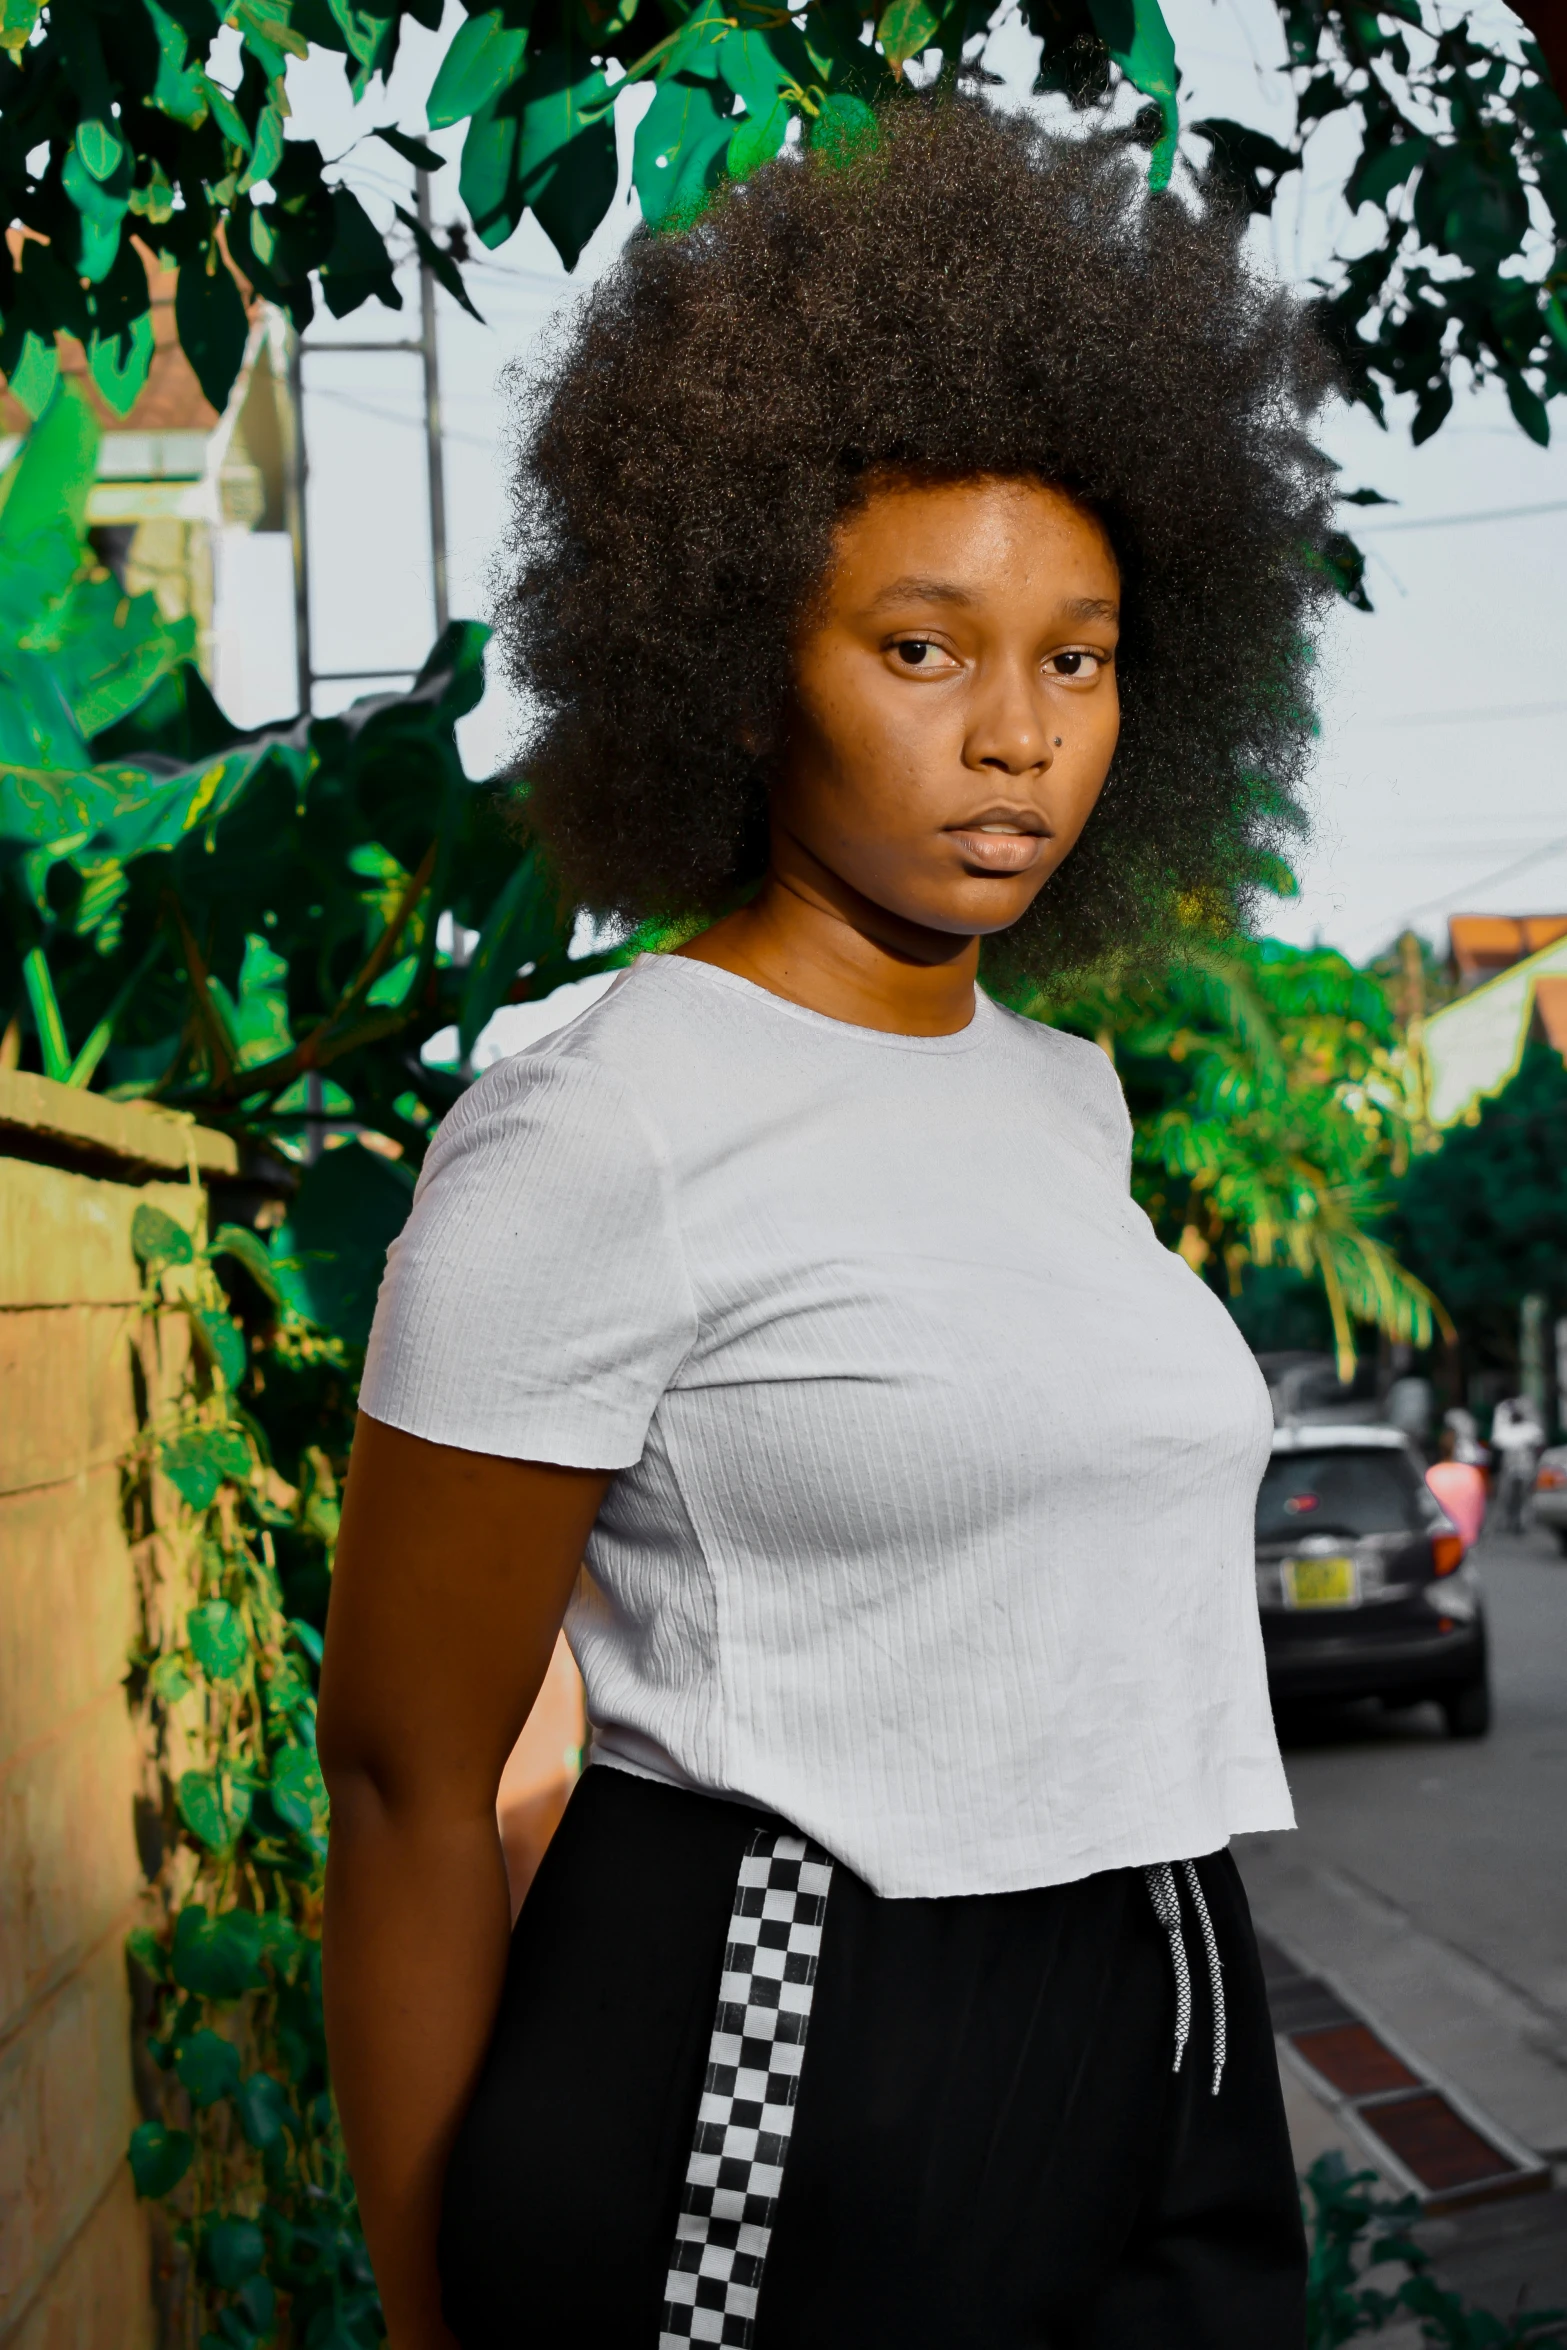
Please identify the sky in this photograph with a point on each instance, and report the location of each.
(1439, 784)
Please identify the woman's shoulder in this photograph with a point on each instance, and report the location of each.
(589, 1085)
(1081, 1075)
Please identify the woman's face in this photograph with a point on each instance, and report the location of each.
(955, 706)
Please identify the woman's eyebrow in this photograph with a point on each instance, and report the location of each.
(920, 591)
(912, 590)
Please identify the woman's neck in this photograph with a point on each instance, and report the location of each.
(834, 952)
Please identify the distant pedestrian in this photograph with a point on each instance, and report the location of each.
(1466, 1438)
(1459, 1486)
(1517, 1438)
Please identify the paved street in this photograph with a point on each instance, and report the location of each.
(1428, 1878)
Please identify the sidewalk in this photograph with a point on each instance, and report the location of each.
(1426, 1885)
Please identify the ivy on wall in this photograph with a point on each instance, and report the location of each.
(240, 2152)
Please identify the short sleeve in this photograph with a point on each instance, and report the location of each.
(536, 1303)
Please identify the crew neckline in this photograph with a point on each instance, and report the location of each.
(960, 1040)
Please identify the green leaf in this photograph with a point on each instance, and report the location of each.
(1528, 408)
(362, 32)
(357, 265)
(17, 19)
(100, 147)
(349, 1208)
(217, 1958)
(232, 2249)
(267, 151)
(1247, 161)
(148, 1952)
(232, 1240)
(225, 114)
(268, 35)
(680, 147)
(256, 2297)
(756, 140)
(45, 1005)
(487, 180)
(157, 1239)
(485, 58)
(412, 151)
(169, 1681)
(566, 145)
(102, 208)
(520, 925)
(759, 67)
(1380, 171)
(209, 316)
(1139, 40)
(439, 263)
(1475, 210)
(308, 1637)
(159, 2158)
(1431, 409)
(119, 363)
(179, 90)
(393, 985)
(207, 2066)
(906, 29)
(266, 2112)
(296, 1787)
(844, 127)
(1345, 565)
(218, 1639)
(214, 1808)
(221, 1341)
(36, 373)
(197, 1463)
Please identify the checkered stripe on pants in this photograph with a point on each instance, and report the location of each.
(753, 2077)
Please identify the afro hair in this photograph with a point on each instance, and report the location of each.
(962, 295)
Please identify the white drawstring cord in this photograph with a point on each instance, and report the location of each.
(1215, 1978)
(1165, 1897)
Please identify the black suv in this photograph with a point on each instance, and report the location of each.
(1361, 1578)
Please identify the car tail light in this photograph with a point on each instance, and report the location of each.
(1548, 1480)
(1447, 1552)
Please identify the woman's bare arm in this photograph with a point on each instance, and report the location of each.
(453, 1572)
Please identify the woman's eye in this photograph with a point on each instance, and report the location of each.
(915, 652)
(1076, 664)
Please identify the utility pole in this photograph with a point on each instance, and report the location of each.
(296, 471)
(295, 475)
(434, 461)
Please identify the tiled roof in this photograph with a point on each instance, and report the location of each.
(171, 400)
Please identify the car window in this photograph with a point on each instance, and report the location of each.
(1320, 1390)
(1332, 1492)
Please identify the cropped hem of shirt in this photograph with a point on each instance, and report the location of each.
(932, 1522)
(1144, 1851)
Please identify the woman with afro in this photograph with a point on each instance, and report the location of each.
(912, 587)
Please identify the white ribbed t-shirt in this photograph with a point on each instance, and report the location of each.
(933, 1526)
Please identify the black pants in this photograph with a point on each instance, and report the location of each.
(990, 2150)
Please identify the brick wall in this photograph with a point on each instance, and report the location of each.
(73, 1169)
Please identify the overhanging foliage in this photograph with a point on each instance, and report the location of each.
(268, 926)
(1272, 1098)
(120, 123)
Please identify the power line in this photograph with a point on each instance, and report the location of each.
(1463, 717)
(409, 423)
(1453, 521)
(1549, 848)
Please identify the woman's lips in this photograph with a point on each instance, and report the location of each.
(999, 852)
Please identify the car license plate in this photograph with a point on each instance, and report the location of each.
(1329, 1582)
